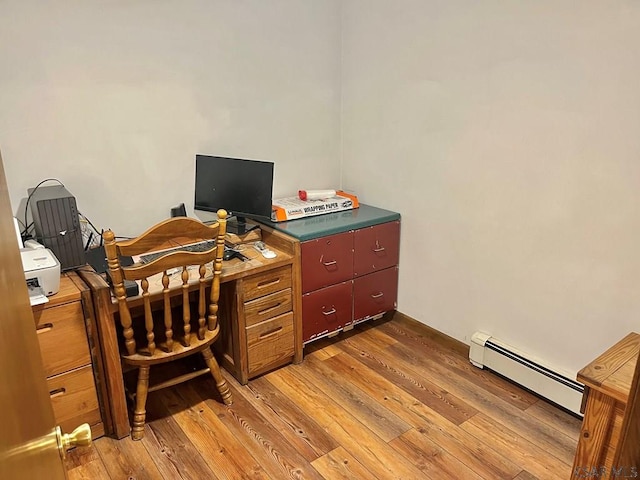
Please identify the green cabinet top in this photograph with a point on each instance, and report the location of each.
(318, 226)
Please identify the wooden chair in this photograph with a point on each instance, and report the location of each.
(150, 333)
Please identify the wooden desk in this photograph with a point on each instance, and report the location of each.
(246, 349)
(608, 382)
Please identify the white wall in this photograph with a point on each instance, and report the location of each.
(507, 134)
(117, 98)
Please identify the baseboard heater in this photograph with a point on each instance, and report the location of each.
(492, 354)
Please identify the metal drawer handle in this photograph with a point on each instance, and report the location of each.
(58, 392)
(268, 309)
(45, 327)
(377, 295)
(378, 247)
(328, 264)
(329, 312)
(270, 334)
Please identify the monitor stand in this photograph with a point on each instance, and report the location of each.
(240, 226)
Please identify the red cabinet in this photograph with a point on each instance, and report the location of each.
(348, 277)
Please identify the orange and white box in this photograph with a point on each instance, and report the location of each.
(291, 208)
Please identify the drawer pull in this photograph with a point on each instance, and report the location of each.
(270, 334)
(378, 249)
(58, 392)
(328, 264)
(329, 312)
(269, 309)
(44, 328)
(377, 295)
(268, 283)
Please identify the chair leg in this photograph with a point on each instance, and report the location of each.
(221, 383)
(140, 413)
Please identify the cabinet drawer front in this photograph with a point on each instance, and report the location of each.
(270, 344)
(326, 310)
(63, 338)
(74, 399)
(375, 293)
(376, 248)
(267, 282)
(326, 261)
(267, 307)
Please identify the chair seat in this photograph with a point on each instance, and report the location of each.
(178, 350)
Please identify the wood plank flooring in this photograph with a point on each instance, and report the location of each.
(390, 400)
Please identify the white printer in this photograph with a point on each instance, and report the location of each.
(41, 271)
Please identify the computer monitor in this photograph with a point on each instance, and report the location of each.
(244, 188)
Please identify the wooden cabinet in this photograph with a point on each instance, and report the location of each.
(348, 278)
(65, 334)
(608, 382)
(257, 323)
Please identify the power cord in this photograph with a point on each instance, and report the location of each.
(90, 238)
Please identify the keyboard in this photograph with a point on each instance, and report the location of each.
(193, 247)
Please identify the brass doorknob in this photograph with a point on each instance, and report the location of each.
(80, 437)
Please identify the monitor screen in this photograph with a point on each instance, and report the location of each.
(243, 188)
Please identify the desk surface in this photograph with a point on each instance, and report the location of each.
(231, 270)
(337, 222)
(612, 372)
(68, 292)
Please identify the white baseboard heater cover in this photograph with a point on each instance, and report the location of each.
(488, 352)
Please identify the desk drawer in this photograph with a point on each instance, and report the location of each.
(267, 282)
(266, 307)
(270, 344)
(74, 399)
(62, 337)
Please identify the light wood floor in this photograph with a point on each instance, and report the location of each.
(389, 400)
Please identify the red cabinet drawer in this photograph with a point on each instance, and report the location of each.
(375, 293)
(376, 248)
(326, 310)
(326, 261)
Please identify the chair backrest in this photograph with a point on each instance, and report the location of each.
(171, 233)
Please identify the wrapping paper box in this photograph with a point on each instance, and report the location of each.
(290, 208)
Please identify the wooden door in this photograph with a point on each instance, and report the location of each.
(28, 440)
